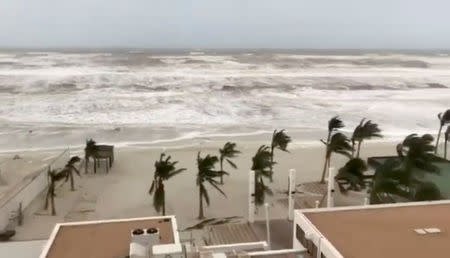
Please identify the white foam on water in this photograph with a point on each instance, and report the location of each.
(220, 90)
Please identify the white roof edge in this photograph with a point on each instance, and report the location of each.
(50, 241)
(301, 214)
(324, 240)
(373, 206)
(59, 225)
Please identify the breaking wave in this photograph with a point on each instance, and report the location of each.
(210, 88)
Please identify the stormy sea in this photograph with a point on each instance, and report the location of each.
(58, 97)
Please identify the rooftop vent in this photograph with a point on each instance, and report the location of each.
(425, 231)
(142, 242)
(432, 230)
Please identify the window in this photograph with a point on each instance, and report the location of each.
(300, 235)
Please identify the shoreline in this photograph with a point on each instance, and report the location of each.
(263, 137)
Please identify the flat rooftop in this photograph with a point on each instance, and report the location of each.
(110, 238)
(386, 231)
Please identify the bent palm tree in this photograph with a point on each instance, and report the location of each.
(427, 191)
(69, 169)
(334, 124)
(262, 163)
(207, 174)
(280, 140)
(353, 175)
(447, 139)
(364, 131)
(357, 134)
(164, 170)
(444, 118)
(54, 177)
(226, 153)
(403, 177)
(339, 143)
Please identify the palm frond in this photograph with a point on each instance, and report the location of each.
(231, 163)
(357, 132)
(280, 140)
(152, 188)
(262, 160)
(229, 150)
(444, 118)
(334, 124)
(339, 143)
(215, 185)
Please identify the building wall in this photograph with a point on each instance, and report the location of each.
(25, 193)
(28, 189)
(307, 236)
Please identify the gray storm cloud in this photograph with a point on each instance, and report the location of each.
(225, 24)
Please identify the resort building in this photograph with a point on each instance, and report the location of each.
(418, 229)
(137, 237)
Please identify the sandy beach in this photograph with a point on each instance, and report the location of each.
(123, 192)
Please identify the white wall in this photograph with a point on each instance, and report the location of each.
(28, 189)
(25, 193)
(324, 246)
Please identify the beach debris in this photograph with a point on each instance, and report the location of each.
(16, 157)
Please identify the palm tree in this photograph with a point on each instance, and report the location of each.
(364, 131)
(402, 177)
(164, 170)
(207, 173)
(226, 153)
(447, 139)
(54, 177)
(444, 118)
(262, 163)
(339, 143)
(352, 174)
(280, 140)
(69, 169)
(427, 191)
(357, 134)
(334, 124)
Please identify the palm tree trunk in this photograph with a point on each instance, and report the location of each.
(221, 170)
(200, 212)
(353, 148)
(326, 158)
(72, 187)
(86, 161)
(359, 149)
(271, 163)
(445, 150)
(437, 139)
(164, 201)
(52, 198)
(46, 199)
(325, 167)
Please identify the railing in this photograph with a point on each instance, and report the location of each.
(19, 196)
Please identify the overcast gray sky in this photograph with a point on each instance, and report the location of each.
(226, 23)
